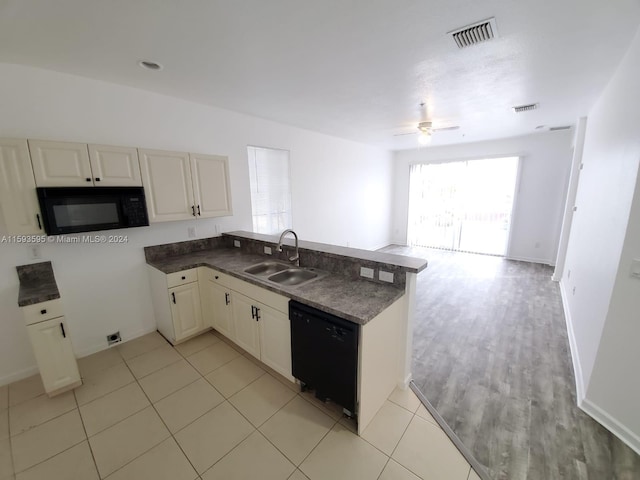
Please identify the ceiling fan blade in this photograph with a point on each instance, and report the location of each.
(455, 127)
(401, 134)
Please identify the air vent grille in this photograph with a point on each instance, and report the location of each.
(476, 33)
(555, 129)
(525, 108)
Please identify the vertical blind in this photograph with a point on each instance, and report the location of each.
(270, 189)
(463, 206)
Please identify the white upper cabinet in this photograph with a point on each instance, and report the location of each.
(180, 186)
(18, 198)
(67, 164)
(115, 166)
(212, 195)
(60, 164)
(166, 177)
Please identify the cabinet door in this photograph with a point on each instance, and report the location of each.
(247, 335)
(211, 185)
(18, 189)
(60, 164)
(218, 310)
(275, 340)
(185, 310)
(54, 353)
(166, 177)
(115, 166)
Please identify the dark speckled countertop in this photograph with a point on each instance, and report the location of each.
(356, 300)
(37, 284)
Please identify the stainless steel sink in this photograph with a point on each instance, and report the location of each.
(266, 268)
(293, 276)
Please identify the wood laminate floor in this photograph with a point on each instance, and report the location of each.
(491, 354)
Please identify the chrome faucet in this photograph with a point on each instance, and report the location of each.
(296, 257)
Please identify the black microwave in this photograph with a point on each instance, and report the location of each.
(87, 209)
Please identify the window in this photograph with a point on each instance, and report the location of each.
(463, 206)
(270, 189)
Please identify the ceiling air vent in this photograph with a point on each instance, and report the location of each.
(475, 33)
(525, 108)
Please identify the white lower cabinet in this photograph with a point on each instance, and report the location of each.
(216, 308)
(52, 347)
(186, 311)
(255, 318)
(176, 303)
(246, 322)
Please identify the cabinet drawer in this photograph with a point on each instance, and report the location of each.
(42, 311)
(217, 277)
(180, 278)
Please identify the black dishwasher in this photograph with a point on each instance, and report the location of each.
(324, 350)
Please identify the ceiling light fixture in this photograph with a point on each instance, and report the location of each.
(148, 65)
(425, 133)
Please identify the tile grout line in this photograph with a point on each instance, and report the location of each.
(93, 457)
(165, 426)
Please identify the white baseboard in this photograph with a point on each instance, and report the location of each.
(403, 383)
(610, 423)
(573, 347)
(594, 411)
(19, 375)
(101, 346)
(543, 261)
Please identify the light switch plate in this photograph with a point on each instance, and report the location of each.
(236, 243)
(267, 250)
(366, 272)
(191, 232)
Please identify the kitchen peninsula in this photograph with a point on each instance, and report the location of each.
(375, 291)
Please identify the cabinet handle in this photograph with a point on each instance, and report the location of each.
(216, 277)
(226, 299)
(253, 311)
(63, 332)
(88, 179)
(193, 210)
(257, 314)
(43, 311)
(39, 224)
(184, 278)
(173, 296)
(97, 179)
(198, 210)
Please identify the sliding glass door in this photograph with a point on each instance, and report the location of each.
(462, 206)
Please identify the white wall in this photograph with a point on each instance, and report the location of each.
(602, 300)
(341, 194)
(544, 172)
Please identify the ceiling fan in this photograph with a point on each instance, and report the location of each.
(425, 129)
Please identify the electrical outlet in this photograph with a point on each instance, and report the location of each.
(385, 276)
(366, 272)
(236, 243)
(267, 250)
(191, 232)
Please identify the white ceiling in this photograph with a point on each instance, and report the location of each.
(356, 69)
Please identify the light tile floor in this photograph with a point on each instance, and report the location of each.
(207, 410)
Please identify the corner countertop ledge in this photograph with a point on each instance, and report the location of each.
(37, 283)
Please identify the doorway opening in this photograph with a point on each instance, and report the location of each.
(463, 206)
